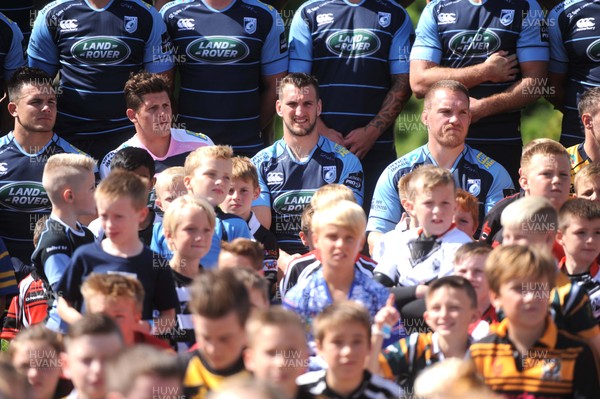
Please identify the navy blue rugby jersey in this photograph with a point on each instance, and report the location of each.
(96, 50)
(575, 52)
(20, 11)
(221, 56)
(459, 33)
(473, 171)
(352, 50)
(12, 55)
(287, 185)
(23, 199)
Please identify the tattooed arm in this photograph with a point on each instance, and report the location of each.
(360, 140)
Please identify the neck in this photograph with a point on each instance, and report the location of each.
(131, 248)
(31, 143)
(339, 279)
(524, 338)
(158, 146)
(454, 347)
(343, 387)
(98, 3)
(66, 217)
(188, 267)
(301, 147)
(591, 146)
(575, 267)
(445, 157)
(218, 4)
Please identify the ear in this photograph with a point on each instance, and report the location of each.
(64, 361)
(424, 117)
(319, 107)
(143, 213)
(586, 120)
(159, 204)
(427, 318)
(319, 347)
(523, 180)
(409, 206)
(495, 300)
(278, 108)
(559, 237)
(256, 193)
(248, 359)
(12, 109)
(474, 315)
(132, 115)
(68, 195)
(186, 183)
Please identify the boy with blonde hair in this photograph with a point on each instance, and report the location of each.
(70, 183)
(331, 193)
(208, 173)
(587, 182)
(545, 172)
(121, 200)
(527, 354)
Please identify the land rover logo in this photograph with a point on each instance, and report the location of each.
(593, 51)
(353, 43)
(217, 50)
(292, 202)
(474, 43)
(24, 196)
(100, 50)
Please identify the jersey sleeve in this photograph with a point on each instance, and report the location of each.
(236, 228)
(54, 267)
(274, 55)
(352, 174)
(8, 281)
(559, 59)
(43, 52)
(15, 56)
(105, 164)
(300, 44)
(264, 198)
(400, 48)
(385, 207)
(427, 44)
(501, 184)
(158, 53)
(532, 44)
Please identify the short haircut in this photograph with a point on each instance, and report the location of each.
(216, 293)
(331, 193)
(427, 177)
(64, 171)
(468, 202)
(138, 361)
(121, 184)
(24, 76)
(243, 169)
(580, 208)
(251, 249)
(195, 158)
(40, 225)
(252, 281)
(543, 146)
(275, 316)
(169, 179)
(589, 102)
(131, 158)
(306, 219)
(589, 171)
(404, 185)
(346, 214)
(143, 83)
(298, 80)
(518, 262)
(113, 286)
(449, 85)
(470, 249)
(458, 283)
(92, 324)
(247, 388)
(339, 314)
(532, 213)
(171, 218)
(36, 333)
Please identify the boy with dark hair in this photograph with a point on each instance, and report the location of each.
(242, 252)
(527, 354)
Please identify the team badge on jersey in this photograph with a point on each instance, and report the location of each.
(474, 186)
(3, 168)
(250, 25)
(131, 24)
(507, 17)
(329, 174)
(384, 19)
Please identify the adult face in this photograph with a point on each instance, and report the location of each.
(447, 118)
(299, 108)
(153, 117)
(34, 109)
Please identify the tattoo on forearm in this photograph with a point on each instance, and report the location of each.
(393, 103)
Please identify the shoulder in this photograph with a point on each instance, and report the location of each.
(266, 154)
(261, 6)
(310, 6)
(339, 151)
(187, 135)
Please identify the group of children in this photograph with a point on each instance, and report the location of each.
(525, 312)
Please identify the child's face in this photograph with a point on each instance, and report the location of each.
(239, 198)
(464, 221)
(123, 310)
(41, 365)
(449, 312)
(164, 196)
(548, 176)
(344, 349)
(515, 235)
(588, 188)
(83, 195)
(338, 246)
(258, 300)
(220, 341)
(120, 219)
(193, 235)
(279, 355)
(524, 302)
(434, 209)
(472, 268)
(229, 260)
(581, 240)
(85, 362)
(210, 180)
(143, 171)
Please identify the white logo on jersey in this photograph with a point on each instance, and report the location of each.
(274, 178)
(323, 19)
(447, 18)
(384, 19)
(186, 24)
(474, 186)
(585, 24)
(507, 17)
(131, 24)
(68, 25)
(329, 174)
(3, 168)
(250, 25)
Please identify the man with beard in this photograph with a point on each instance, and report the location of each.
(447, 117)
(293, 168)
